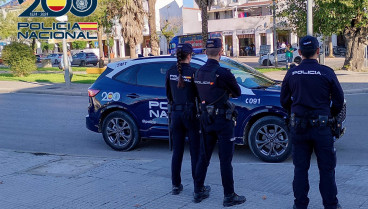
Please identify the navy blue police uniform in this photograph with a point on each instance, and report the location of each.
(183, 117)
(215, 84)
(312, 94)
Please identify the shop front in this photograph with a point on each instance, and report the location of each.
(229, 48)
(246, 42)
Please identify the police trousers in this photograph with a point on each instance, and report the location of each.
(305, 141)
(183, 126)
(221, 131)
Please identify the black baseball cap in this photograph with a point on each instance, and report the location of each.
(214, 43)
(186, 48)
(308, 42)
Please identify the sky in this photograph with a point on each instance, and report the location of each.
(188, 3)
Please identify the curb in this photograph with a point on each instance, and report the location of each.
(65, 93)
(355, 91)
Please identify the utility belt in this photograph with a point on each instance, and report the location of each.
(183, 107)
(209, 112)
(315, 121)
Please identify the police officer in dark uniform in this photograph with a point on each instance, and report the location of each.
(215, 85)
(313, 95)
(182, 93)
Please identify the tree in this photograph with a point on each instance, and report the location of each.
(79, 44)
(204, 5)
(130, 14)
(349, 17)
(8, 25)
(20, 58)
(169, 28)
(152, 27)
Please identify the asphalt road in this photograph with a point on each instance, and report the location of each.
(56, 124)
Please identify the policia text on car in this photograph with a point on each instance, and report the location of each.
(312, 95)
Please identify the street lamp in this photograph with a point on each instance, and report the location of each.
(68, 73)
(274, 34)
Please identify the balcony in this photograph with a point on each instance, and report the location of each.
(258, 23)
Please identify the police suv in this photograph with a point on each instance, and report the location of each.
(128, 103)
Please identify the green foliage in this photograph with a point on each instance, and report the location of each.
(79, 44)
(50, 78)
(110, 42)
(329, 16)
(20, 58)
(46, 46)
(8, 25)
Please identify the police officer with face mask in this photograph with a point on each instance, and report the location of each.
(313, 95)
(215, 86)
(182, 93)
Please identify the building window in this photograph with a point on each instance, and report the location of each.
(235, 1)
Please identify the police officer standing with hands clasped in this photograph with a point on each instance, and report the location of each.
(215, 85)
(312, 95)
(182, 93)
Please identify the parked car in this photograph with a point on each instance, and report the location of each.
(281, 57)
(128, 102)
(55, 58)
(83, 59)
(38, 58)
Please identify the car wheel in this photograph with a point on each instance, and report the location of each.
(265, 62)
(269, 139)
(298, 60)
(120, 131)
(94, 64)
(56, 62)
(83, 63)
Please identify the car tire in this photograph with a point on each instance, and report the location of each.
(266, 143)
(265, 62)
(56, 62)
(122, 137)
(298, 60)
(94, 64)
(83, 64)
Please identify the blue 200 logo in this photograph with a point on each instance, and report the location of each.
(57, 8)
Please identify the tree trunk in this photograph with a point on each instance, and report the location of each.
(204, 24)
(330, 47)
(355, 46)
(168, 44)
(132, 51)
(33, 44)
(152, 27)
(99, 39)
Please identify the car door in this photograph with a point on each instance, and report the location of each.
(281, 55)
(150, 106)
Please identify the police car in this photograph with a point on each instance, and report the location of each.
(267, 60)
(127, 103)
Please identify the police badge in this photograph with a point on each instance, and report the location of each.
(81, 4)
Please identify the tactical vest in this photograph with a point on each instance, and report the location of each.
(182, 95)
(208, 90)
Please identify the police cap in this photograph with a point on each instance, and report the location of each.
(214, 43)
(186, 48)
(308, 42)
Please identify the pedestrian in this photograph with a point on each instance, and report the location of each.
(215, 86)
(181, 94)
(312, 95)
(283, 45)
(69, 60)
(289, 55)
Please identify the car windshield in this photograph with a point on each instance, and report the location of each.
(247, 76)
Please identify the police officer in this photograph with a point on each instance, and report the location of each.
(215, 85)
(181, 93)
(312, 94)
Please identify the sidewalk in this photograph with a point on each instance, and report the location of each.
(34, 180)
(351, 82)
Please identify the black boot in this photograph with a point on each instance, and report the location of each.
(233, 199)
(176, 190)
(203, 194)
